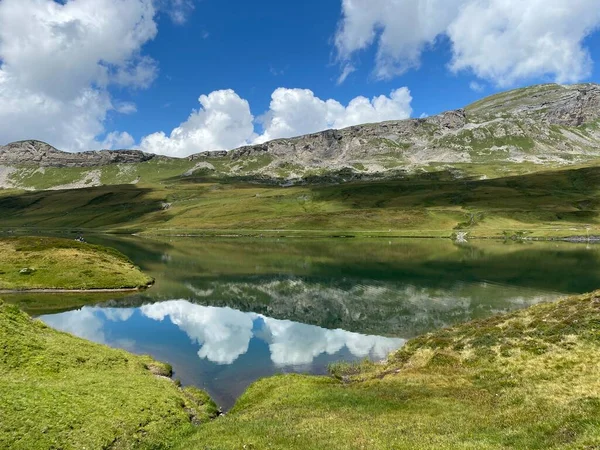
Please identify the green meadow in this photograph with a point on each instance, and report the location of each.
(63, 392)
(554, 203)
(31, 263)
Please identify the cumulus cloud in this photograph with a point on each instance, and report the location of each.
(296, 344)
(118, 140)
(295, 112)
(502, 41)
(223, 333)
(223, 121)
(57, 61)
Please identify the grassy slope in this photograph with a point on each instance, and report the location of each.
(526, 380)
(64, 264)
(552, 203)
(59, 391)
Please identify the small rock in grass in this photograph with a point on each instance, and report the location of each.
(26, 271)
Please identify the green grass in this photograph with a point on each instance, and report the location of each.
(154, 172)
(552, 203)
(41, 303)
(59, 391)
(51, 263)
(525, 380)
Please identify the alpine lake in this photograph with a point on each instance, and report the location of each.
(225, 312)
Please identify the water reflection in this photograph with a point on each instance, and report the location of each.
(253, 308)
(366, 306)
(221, 337)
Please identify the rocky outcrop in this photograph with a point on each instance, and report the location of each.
(549, 124)
(537, 124)
(40, 154)
(578, 107)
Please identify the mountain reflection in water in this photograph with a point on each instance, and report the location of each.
(252, 308)
(220, 337)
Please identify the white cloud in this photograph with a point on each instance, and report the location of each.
(58, 60)
(296, 344)
(83, 323)
(87, 323)
(503, 41)
(295, 112)
(224, 121)
(178, 10)
(126, 108)
(223, 333)
(477, 87)
(118, 140)
(348, 70)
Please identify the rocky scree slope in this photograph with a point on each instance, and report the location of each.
(512, 132)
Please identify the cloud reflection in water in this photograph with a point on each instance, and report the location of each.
(224, 334)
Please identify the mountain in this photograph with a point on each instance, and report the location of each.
(44, 155)
(520, 131)
(548, 123)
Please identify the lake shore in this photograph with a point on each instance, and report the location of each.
(43, 264)
(67, 291)
(526, 379)
(59, 391)
(523, 380)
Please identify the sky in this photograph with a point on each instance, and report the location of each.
(178, 77)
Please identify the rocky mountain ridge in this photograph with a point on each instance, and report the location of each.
(526, 125)
(511, 132)
(32, 152)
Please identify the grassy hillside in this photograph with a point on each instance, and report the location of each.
(50, 263)
(526, 380)
(59, 391)
(552, 203)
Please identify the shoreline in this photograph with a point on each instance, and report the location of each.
(311, 234)
(68, 291)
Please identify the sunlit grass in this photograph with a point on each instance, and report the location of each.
(59, 391)
(526, 380)
(51, 263)
(557, 203)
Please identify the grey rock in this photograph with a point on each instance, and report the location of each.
(501, 128)
(40, 154)
(545, 124)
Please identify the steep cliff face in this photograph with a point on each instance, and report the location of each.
(36, 153)
(512, 132)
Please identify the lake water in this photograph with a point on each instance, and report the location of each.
(225, 312)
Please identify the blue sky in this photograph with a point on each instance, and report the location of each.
(124, 87)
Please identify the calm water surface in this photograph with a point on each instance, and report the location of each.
(227, 312)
